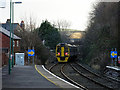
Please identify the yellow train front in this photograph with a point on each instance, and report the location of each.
(64, 52)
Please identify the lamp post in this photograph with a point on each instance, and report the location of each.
(9, 68)
(13, 30)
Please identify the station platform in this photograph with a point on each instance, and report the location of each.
(113, 68)
(32, 77)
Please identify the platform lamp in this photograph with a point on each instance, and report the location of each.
(9, 67)
(13, 30)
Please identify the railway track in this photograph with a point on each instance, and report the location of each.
(85, 81)
(94, 77)
(71, 80)
(59, 71)
(105, 77)
(112, 78)
(71, 74)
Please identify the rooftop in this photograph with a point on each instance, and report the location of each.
(6, 32)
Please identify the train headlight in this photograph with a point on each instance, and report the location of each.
(66, 53)
(59, 54)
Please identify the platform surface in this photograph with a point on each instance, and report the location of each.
(24, 77)
(31, 77)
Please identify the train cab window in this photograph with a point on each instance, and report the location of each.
(66, 49)
(58, 49)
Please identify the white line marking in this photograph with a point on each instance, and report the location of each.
(60, 78)
(115, 68)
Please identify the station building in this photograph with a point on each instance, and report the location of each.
(5, 45)
(5, 40)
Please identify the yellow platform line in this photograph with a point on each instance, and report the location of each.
(45, 76)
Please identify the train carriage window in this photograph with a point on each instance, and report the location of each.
(73, 49)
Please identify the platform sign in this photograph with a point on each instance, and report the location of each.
(119, 59)
(113, 54)
(31, 52)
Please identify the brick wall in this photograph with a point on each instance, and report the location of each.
(5, 44)
(17, 48)
(5, 41)
(4, 59)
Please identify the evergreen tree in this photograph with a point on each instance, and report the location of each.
(50, 34)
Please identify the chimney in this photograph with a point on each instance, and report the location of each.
(22, 25)
(8, 21)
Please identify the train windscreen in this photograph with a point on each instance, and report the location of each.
(58, 49)
(66, 49)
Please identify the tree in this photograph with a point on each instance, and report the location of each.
(50, 34)
(29, 39)
(62, 25)
(101, 34)
(28, 35)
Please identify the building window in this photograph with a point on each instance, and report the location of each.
(17, 43)
(13, 43)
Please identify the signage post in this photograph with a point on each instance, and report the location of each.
(118, 60)
(33, 57)
(31, 52)
(114, 56)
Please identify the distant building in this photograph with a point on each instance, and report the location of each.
(5, 44)
(76, 36)
(72, 36)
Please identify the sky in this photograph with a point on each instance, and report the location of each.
(76, 12)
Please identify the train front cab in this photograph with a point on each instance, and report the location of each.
(62, 53)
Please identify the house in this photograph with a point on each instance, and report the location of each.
(16, 26)
(5, 44)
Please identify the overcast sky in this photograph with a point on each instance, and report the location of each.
(74, 11)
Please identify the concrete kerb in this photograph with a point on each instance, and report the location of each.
(59, 78)
(59, 81)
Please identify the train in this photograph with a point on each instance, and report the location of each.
(66, 52)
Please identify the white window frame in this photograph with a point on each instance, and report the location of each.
(13, 43)
(17, 43)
